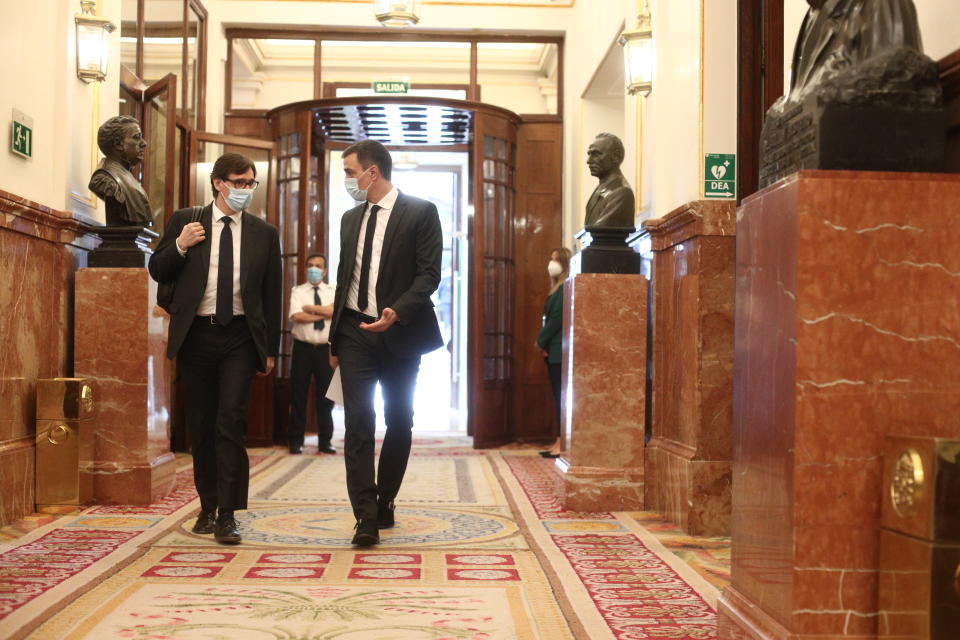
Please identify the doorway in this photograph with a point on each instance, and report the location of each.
(498, 176)
(442, 177)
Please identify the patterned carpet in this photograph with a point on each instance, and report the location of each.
(483, 550)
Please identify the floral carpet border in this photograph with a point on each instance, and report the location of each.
(543, 487)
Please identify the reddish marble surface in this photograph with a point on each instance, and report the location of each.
(39, 250)
(120, 343)
(847, 317)
(689, 454)
(604, 371)
(16, 479)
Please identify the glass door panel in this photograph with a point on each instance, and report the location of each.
(160, 159)
(491, 352)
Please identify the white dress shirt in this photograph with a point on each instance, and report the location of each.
(386, 203)
(301, 295)
(208, 304)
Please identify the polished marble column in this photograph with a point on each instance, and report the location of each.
(39, 248)
(604, 369)
(689, 455)
(847, 330)
(120, 348)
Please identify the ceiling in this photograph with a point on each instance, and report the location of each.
(394, 124)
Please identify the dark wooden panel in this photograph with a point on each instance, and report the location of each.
(537, 231)
(249, 124)
(759, 82)
(950, 77)
(491, 314)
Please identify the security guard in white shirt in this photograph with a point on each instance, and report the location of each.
(311, 306)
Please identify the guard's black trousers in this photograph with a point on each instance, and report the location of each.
(310, 362)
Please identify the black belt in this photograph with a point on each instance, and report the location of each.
(213, 319)
(362, 317)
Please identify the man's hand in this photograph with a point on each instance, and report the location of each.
(270, 363)
(387, 318)
(191, 234)
(540, 349)
(334, 361)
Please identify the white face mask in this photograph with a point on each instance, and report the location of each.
(353, 188)
(554, 268)
(239, 199)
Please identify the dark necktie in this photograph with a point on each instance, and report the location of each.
(362, 297)
(318, 325)
(225, 275)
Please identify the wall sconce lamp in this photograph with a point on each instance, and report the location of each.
(638, 53)
(93, 45)
(397, 13)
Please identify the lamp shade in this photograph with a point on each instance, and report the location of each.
(638, 60)
(397, 13)
(93, 44)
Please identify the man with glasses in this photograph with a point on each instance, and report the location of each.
(225, 318)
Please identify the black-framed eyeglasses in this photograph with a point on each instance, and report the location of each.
(244, 184)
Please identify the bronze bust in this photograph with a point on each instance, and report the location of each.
(122, 144)
(612, 202)
(862, 95)
(837, 34)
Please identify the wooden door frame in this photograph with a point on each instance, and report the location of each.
(759, 82)
(484, 437)
(196, 137)
(319, 33)
(168, 85)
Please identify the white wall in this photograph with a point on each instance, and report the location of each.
(39, 47)
(591, 29)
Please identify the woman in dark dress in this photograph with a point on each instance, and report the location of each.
(550, 340)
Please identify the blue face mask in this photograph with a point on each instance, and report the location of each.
(239, 199)
(353, 188)
(314, 275)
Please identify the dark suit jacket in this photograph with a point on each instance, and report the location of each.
(409, 272)
(261, 281)
(550, 338)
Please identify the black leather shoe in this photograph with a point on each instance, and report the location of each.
(227, 531)
(206, 522)
(296, 449)
(326, 448)
(385, 519)
(367, 533)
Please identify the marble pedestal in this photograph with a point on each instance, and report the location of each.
(847, 330)
(689, 454)
(119, 347)
(604, 368)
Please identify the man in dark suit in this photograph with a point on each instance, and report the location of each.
(383, 321)
(225, 320)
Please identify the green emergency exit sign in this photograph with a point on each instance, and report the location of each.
(21, 139)
(391, 86)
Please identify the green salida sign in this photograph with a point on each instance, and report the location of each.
(391, 86)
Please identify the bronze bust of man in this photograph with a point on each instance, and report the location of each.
(122, 144)
(837, 34)
(862, 95)
(611, 204)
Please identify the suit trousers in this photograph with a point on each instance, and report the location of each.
(310, 361)
(365, 360)
(217, 365)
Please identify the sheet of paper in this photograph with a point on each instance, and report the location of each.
(335, 390)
